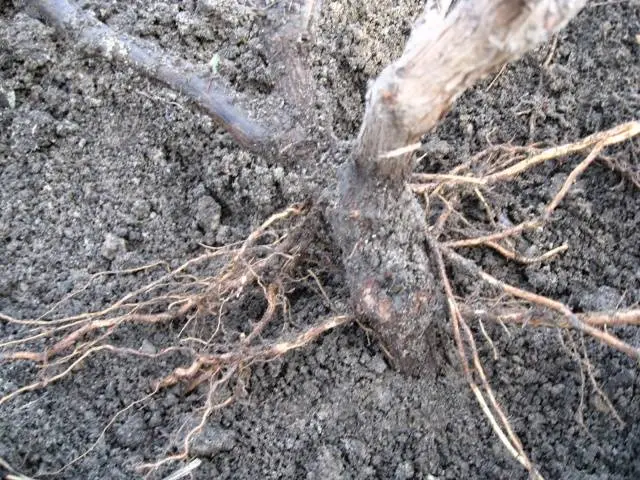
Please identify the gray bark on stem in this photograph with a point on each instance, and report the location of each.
(446, 53)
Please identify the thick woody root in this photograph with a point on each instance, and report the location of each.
(201, 294)
(513, 305)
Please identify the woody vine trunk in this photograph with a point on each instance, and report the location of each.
(376, 220)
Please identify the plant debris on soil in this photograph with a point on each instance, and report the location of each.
(104, 171)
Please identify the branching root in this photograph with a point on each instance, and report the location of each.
(514, 305)
(200, 295)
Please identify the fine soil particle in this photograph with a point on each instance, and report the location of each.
(102, 169)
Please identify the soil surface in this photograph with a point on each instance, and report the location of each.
(102, 169)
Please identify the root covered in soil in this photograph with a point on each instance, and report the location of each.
(402, 271)
(201, 293)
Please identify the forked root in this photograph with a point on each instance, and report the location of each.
(536, 311)
(502, 164)
(219, 370)
(433, 185)
(591, 323)
(265, 264)
(466, 346)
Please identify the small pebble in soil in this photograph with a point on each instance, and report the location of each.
(404, 471)
(148, 347)
(328, 464)
(211, 441)
(7, 98)
(132, 432)
(208, 214)
(112, 246)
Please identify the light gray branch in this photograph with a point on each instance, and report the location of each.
(448, 51)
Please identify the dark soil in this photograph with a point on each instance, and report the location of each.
(101, 169)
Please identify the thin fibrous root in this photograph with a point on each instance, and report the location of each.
(625, 169)
(244, 266)
(95, 325)
(516, 257)
(532, 309)
(233, 362)
(432, 185)
(204, 367)
(487, 240)
(86, 334)
(615, 135)
(250, 355)
(210, 406)
(486, 398)
(605, 398)
(88, 352)
(12, 474)
(544, 318)
(567, 315)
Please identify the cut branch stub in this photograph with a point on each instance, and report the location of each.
(446, 54)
